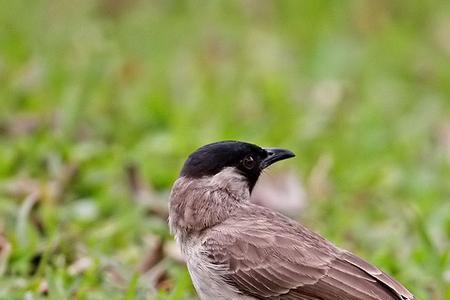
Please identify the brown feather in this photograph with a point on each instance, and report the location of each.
(266, 255)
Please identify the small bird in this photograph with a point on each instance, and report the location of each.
(237, 250)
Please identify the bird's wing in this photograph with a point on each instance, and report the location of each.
(275, 258)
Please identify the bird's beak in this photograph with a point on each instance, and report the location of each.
(274, 155)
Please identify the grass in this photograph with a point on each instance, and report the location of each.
(101, 101)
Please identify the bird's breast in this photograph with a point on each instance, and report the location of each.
(207, 281)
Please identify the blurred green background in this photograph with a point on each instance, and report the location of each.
(101, 101)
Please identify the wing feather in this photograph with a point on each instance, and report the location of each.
(268, 256)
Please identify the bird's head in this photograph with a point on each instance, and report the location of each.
(236, 157)
(214, 179)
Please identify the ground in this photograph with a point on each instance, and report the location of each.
(101, 101)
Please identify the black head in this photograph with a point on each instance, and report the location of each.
(247, 158)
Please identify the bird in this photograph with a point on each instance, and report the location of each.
(237, 250)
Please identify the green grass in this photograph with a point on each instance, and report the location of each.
(90, 88)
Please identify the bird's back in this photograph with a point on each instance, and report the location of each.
(262, 254)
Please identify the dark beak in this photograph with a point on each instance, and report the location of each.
(274, 155)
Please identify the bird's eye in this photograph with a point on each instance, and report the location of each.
(248, 162)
